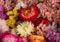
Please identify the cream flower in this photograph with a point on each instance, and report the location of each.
(25, 28)
(20, 4)
(3, 25)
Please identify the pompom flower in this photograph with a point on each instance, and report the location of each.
(35, 38)
(3, 25)
(25, 28)
(9, 38)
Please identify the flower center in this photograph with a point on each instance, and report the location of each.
(26, 12)
(9, 40)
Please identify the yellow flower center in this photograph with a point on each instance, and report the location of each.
(26, 12)
(9, 40)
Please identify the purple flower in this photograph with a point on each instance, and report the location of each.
(1, 8)
(3, 15)
(53, 35)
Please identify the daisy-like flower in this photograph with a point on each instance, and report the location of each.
(3, 25)
(9, 38)
(25, 28)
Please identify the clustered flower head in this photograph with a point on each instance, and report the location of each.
(29, 21)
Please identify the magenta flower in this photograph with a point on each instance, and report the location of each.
(1, 8)
(3, 15)
(20, 39)
(9, 38)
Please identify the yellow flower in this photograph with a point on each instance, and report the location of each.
(11, 21)
(9, 13)
(13, 12)
(11, 17)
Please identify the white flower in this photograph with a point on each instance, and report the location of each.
(25, 28)
(13, 31)
(20, 4)
(3, 25)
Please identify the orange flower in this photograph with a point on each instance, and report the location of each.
(35, 38)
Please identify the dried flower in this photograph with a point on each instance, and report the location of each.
(56, 17)
(4, 27)
(42, 29)
(11, 21)
(13, 31)
(9, 38)
(3, 15)
(43, 20)
(25, 28)
(1, 2)
(45, 11)
(36, 38)
(21, 39)
(20, 4)
(53, 35)
(7, 4)
(1, 8)
(13, 13)
(33, 1)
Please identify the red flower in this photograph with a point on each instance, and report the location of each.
(43, 20)
(29, 13)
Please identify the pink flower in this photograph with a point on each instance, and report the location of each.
(20, 39)
(9, 38)
(23, 39)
